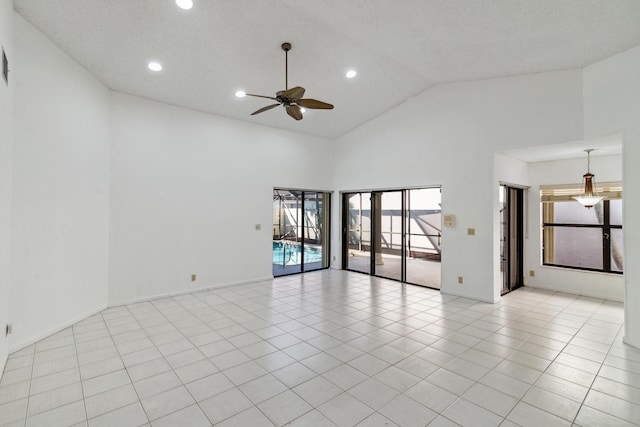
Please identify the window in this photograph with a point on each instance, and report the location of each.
(580, 238)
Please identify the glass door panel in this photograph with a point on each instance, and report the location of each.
(287, 215)
(424, 237)
(357, 241)
(388, 234)
(316, 254)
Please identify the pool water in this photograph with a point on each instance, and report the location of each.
(291, 254)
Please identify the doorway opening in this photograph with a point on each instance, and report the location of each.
(395, 234)
(511, 237)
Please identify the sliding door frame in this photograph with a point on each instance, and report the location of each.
(325, 222)
(376, 217)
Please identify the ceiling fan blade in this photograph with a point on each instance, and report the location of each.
(262, 96)
(294, 111)
(263, 109)
(314, 104)
(294, 92)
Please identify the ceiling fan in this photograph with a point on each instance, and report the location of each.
(291, 99)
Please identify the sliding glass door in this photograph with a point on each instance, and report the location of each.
(357, 239)
(300, 231)
(512, 237)
(388, 234)
(394, 234)
(315, 228)
(424, 237)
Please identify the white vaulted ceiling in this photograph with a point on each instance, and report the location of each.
(399, 48)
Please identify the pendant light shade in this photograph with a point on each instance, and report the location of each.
(589, 196)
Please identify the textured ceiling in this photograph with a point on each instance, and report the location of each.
(399, 48)
(610, 145)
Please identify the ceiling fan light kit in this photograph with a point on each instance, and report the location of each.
(291, 99)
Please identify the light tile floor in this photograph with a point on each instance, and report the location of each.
(332, 348)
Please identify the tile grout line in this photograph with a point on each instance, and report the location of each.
(33, 362)
(124, 367)
(550, 363)
(595, 378)
(84, 401)
(207, 358)
(294, 302)
(554, 359)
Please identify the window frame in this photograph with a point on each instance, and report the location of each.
(606, 227)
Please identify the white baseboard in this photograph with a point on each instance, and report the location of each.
(631, 342)
(467, 295)
(34, 339)
(188, 291)
(54, 330)
(580, 293)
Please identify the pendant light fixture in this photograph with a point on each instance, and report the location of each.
(589, 196)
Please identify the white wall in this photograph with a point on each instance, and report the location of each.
(448, 136)
(599, 285)
(612, 104)
(187, 190)
(6, 161)
(59, 264)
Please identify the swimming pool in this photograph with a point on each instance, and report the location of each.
(291, 255)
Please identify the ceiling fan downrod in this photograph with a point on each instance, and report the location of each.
(286, 47)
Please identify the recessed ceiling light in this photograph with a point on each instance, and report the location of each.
(241, 94)
(351, 74)
(154, 66)
(184, 4)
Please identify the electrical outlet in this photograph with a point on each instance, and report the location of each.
(449, 220)
(193, 277)
(460, 280)
(532, 273)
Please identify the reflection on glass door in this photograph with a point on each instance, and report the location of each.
(287, 220)
(394, 234)
(357, 230)
(315, 225)
(388, 235)
(300, 231)
(424, 237)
